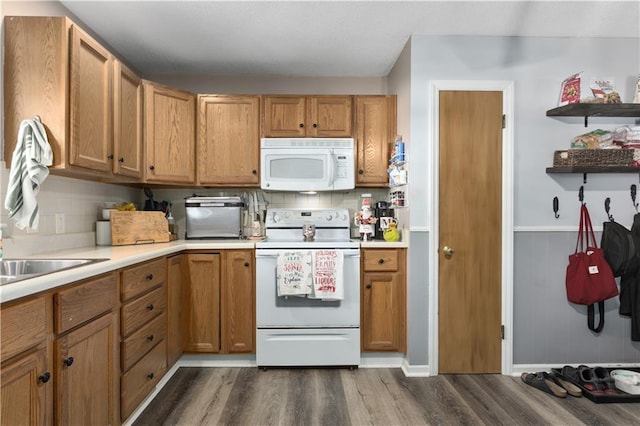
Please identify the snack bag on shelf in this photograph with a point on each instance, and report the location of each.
(570, 90)
(597, 139)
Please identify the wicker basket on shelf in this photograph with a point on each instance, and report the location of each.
(593, 157)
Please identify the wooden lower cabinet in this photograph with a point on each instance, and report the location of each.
(218, 302)
(176, 277)
(383, 299)
(86, 361)
(25, 388)
(143, 328)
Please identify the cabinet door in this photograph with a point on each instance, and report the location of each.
(176, 273)
(169, 136)
(201, 303)
(238, 307)
(284, 116)
(382, 325)
(329, 116)
(375, 129)
(25, 388)
(228, 140)
(127, 122)
(90, 103)
(86, 372)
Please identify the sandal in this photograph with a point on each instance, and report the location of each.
(606, 381)
(588, 380)
(571, 389)
(571, 373)
(543, 381)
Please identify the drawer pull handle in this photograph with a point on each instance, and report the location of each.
(301, 125)
(44, 378)
(150, 337)
(150, 307)
(150, 376)
(68, 362)
(149, 277)
(380, 261)
(368, 286)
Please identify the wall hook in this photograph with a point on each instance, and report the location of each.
(581, 194)
(556, 207)
(607, 204)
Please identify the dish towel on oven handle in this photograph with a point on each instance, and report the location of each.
(328, 275)
(294, 273)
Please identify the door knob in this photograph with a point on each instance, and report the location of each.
(448, 251)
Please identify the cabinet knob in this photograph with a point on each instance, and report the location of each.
(44, 378)
(152, 167)
(368, 286)
(110, 157)
(121, 160)
(246, 264)
(315, 125)
(301, 125)
(150, 376)
(149, 277)
(360, 172)
(150, 337)
(255, 172)
(150, 307)
(380, 261)
(68, 362)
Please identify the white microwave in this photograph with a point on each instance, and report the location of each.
(307, 164)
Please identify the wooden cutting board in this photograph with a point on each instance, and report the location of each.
(138, 228)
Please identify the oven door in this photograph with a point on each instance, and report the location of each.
(273, 311)
(296, 169)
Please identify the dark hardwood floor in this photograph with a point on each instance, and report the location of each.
(371, 396)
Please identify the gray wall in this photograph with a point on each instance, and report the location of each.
(547, 329)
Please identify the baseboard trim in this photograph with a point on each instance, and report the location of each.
(415, 370)
(518, 369)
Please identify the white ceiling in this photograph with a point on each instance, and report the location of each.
(325, 38)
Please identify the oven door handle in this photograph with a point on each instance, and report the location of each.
(275, 253)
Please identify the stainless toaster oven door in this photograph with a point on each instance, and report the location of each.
(213, 222)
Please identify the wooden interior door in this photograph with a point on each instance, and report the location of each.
(470, 224)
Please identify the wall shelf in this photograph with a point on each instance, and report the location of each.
(587, 110)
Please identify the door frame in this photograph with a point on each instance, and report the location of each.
(508, 141)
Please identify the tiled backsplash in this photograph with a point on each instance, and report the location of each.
(80, 202)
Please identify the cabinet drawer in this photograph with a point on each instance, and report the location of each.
(141, 378)
(140, 311)
(84, 301)
(141, 342)
(380, 260)
(138, 279)
(23, 325)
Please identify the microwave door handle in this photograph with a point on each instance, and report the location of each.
(332, 168)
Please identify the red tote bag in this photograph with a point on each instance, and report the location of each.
(589, 277)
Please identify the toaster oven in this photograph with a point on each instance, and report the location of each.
(213, 217)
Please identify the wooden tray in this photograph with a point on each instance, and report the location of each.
(138, 228)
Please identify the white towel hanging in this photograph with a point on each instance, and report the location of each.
(29, 168)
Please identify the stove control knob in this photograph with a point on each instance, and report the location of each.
(276, 218)
(329, 217)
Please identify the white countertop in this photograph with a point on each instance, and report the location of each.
(123, 256)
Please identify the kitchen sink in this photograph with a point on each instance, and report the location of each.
(12, 270)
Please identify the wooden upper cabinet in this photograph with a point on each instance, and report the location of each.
(169, 137)
(90, 107)
(375, 129)
(228, 140)
(307, 116)
(127, 121)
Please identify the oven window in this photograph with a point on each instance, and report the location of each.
(297, 167)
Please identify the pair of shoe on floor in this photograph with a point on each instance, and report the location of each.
(551, 383)
(596, 380)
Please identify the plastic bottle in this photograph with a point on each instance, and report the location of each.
(172, 223)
